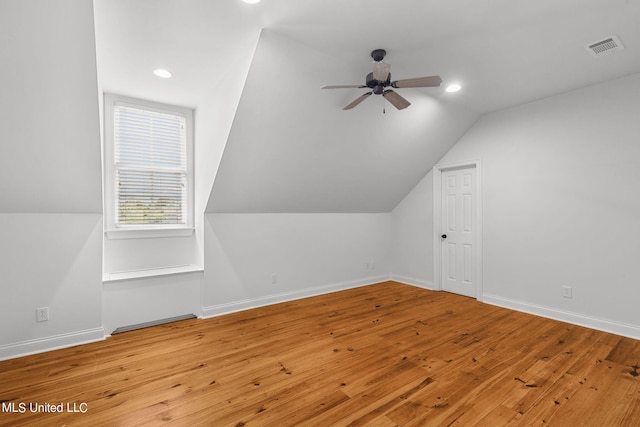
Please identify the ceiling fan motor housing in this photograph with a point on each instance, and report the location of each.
(377, 86)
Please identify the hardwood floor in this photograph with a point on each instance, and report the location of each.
(381, 355)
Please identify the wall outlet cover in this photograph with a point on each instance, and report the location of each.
(42, 314)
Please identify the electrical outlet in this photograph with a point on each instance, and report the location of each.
(274, 278)
(567, 291)
(42, 314)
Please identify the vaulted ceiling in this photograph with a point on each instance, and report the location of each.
(271, 141)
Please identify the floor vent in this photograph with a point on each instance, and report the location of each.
(153, 323)
(603, 47)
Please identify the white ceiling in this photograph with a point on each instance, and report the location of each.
(503, 52)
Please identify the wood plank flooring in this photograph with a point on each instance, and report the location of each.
(382, 355)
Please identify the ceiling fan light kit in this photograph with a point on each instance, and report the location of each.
(380, 79)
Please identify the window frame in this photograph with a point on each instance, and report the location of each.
(111, 228)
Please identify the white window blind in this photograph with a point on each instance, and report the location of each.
(150, 159)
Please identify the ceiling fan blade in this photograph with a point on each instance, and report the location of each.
(432, 81)
(357, 101)
(381, 71)
(396, 100)
(343, 87)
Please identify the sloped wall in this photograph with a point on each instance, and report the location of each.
(50, 151)
(304, 188)
(50, 176)
(293, 149)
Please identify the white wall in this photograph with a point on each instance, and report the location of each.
(293, 149)
(560, 184)
(412, 236)
(49, 260)
(214, 118)
(50, 150)
(128, 302)
(310, 253)
(131, 302)
(137, 254)
(50, 176)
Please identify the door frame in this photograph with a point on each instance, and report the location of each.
(438, 169)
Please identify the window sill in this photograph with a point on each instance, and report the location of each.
(151, 272)
(146, 233)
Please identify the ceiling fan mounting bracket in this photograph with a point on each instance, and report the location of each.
(378, 54)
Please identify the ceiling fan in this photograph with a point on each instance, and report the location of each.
(380, 79)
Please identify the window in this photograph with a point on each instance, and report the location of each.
(148, 168)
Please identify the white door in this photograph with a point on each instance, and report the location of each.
(458, 231)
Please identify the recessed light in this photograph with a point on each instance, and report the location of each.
(251, 1)
(162, 73)
(453, 87)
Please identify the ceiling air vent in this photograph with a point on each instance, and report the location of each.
(603, 47)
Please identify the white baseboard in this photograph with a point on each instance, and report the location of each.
(235, 306)
(41, 345)
(412, 281)
(611, 326)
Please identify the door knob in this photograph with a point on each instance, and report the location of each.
(444, 236)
